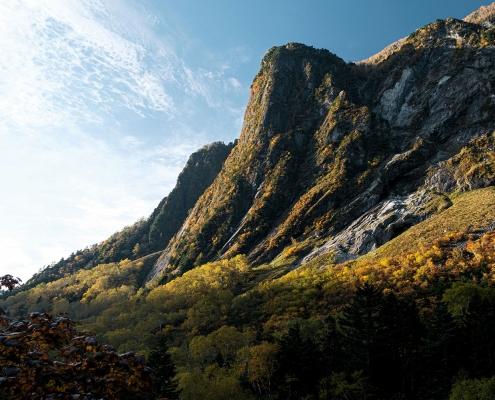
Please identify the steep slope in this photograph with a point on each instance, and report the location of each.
(326, 147)
(469, 209)
(278, 155)
(152, 234)
(201, 169)
(224, 322)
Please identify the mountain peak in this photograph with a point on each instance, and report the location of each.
(485, 15)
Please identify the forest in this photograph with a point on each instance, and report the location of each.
(419, 325)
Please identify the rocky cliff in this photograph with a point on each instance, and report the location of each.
(343, 157)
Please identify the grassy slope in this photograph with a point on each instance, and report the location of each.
(473, 208)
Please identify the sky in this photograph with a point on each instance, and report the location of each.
(103, 101)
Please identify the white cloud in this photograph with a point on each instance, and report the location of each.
(63, 61)
(235, 83)
(58, 198)
(14, 256)
(130, 142)
(98, 115)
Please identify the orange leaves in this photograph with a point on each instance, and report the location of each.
(26, 351)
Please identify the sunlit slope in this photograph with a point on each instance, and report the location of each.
(109, 300)
(328, 146)
(396, 166)
(470, 209)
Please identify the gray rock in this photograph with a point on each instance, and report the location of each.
(365, 141)
(382, 223)
(392, 99)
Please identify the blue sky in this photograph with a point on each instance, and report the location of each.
(102, 101)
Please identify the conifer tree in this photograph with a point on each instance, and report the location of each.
(361, 328)
(160, 361)
(298, 374)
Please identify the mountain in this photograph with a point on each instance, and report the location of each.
(152, 234)
(343, 248)
(344, 157)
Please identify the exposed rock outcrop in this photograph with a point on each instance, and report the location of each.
(351, 153)
(380, 224)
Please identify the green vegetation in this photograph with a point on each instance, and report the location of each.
(229, 331)
(311, 147)
(282, 173)
(473, 389)
(44, 356)
(469, 209)
(414, 319)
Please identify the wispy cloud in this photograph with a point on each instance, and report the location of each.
(57, 198)
(65, 61)
(98, 114)
(235, 83)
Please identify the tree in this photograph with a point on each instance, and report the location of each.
(473, 389)
(361, 327)
(215, 383)
(381, 336)
(473, 308)
(262, 366)
(444, 352)
(45, 357)
(136, 250)
(160, 360)
(298, 373)
(338, 386)
(9, 282)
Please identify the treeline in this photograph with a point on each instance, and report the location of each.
(379, 346)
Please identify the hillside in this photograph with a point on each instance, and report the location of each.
(343, 249)
(225, 323)
(148, 235)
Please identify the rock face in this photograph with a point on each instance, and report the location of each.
(472, 168)
(353, 153)
(380, 224)
(485, 16)
(201, 169)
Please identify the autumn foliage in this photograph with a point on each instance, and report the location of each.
(45, 357)
(9, 282)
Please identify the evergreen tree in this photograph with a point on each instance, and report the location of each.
(299, 370)
(160, 361)
(444, 352)
(361, 328)
(400, 339)
(381, 335)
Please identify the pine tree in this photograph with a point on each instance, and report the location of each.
(299, 370)
(160, 361)
(360, 327)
